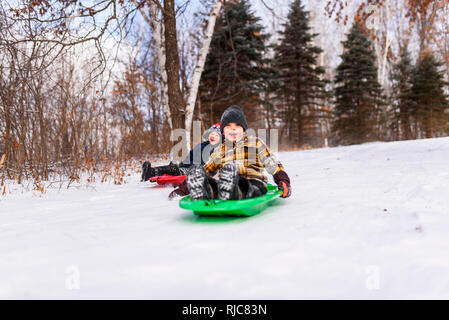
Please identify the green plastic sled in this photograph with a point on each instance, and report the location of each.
(245, 207)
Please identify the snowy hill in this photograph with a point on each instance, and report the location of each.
(368, 221)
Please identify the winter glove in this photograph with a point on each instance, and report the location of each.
(283, 181)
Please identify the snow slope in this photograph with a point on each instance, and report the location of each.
(368, 221)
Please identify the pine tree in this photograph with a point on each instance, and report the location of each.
(402, 102)
(358, 94)
(431, 102)
(235, 71)
(301, 88)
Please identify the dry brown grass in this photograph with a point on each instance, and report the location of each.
(86, 173)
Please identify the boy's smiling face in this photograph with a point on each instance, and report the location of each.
(233, 132)
(214, 138)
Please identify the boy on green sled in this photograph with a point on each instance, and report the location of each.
(240, 161)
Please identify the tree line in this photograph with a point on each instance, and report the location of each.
(283, 86)
(58, 113)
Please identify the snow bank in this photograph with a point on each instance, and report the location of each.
(368, 221)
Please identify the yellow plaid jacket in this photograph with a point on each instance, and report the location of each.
(250, 154)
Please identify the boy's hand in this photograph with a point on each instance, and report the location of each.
(283, 181)
(286, 189)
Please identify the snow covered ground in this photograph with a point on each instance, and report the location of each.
(368, 221)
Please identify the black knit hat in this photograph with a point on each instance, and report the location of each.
(233, 114)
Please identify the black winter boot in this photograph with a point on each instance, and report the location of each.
(147, 171)
(228, 188)
(197, 183)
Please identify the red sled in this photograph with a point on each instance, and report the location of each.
(168, 179)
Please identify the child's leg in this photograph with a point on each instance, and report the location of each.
(227, 184)
(198, 183)
(171, 169)
(251, 188)
(213, 187)
(148, 171)
(233, 187)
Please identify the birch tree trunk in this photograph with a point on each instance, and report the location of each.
(383, 73)
(379, 23)
(193, 92)
(157, 29)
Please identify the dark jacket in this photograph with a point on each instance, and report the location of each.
(200, 154)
